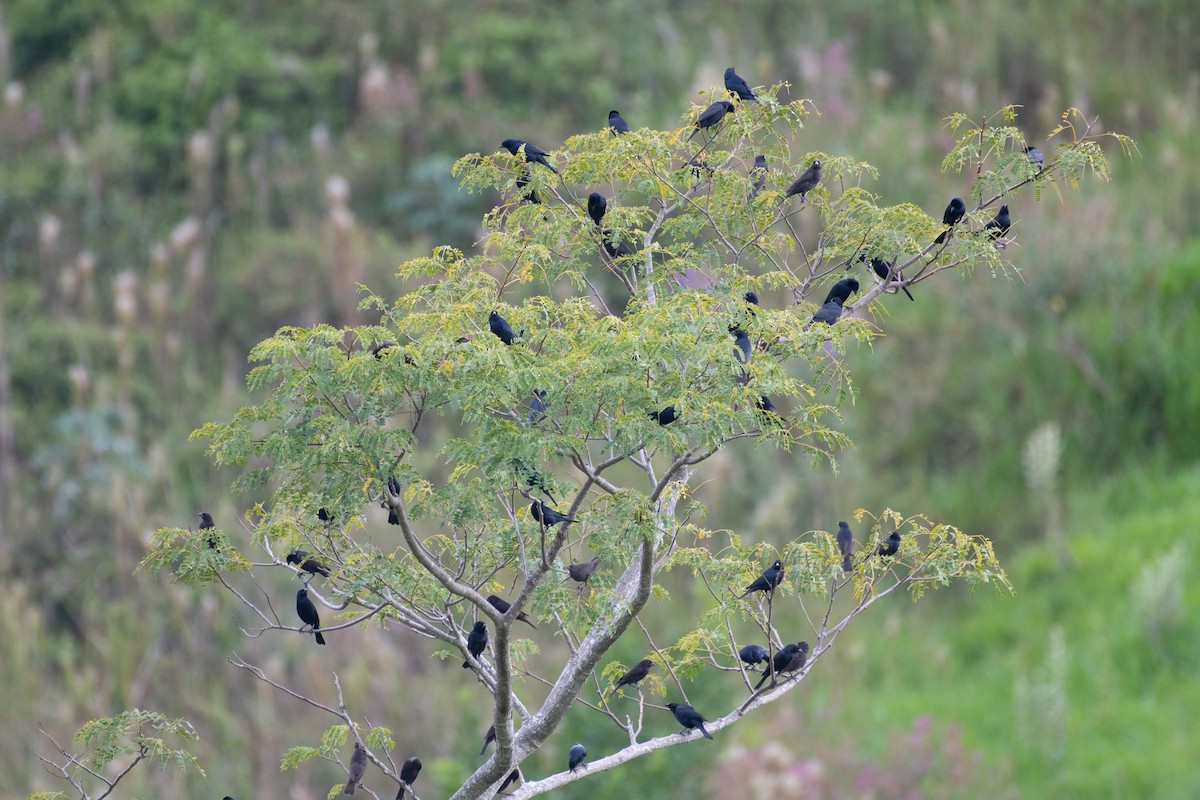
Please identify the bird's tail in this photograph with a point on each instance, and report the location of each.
(320, 638)
(907, 292)
(530, 624)
(466, 665)
(403, 789)
(846, 563)
(707, 735)
(941, 237)
(349, 787)
(694, 132)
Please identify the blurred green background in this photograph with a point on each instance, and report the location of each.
(179, 179)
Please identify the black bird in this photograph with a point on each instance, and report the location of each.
(955, 210)
(711, 116)
(533, 153)
(890, 547)
(575, 759)
(883, 269)
(310, 565)
(581, 572)
(664, 417)
(829, 313)
(499, 326)
(778, 664)
(759, 175)
(999, 224)
(206, 523)
(394, 488)
(546, 515)
(358, 765)
(408, 773)
(807, 181)
(635, 675)
(476, 641)
(750, 297)
(1036, 157)
(689, 718)
(845, 540)
(324, 515)
(753, 654)
(381, 349)
(531, 195)
(597, 205)
(488, 739)
(764, 404)
(843, 289)
(511, 779)
(699, 167)
(533, 479)
(616, 123)
(790, 659)
(308, 615)
(736, 85)
(742, 340)
(537, 409)
(766, 582)
(618, 250)
(502, 605)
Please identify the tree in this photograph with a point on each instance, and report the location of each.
(130, 737)
(619, 380)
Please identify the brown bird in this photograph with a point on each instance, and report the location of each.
(502, 605)
(807, 181)
(581, 572)
(358, 765)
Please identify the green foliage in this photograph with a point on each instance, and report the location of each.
(115, 745)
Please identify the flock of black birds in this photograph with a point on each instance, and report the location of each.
(790, 659)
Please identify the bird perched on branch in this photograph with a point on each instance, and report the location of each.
(829, 313)
(790, 659)
(597, 205)
(580, 573)
(408, 774)
(956, 209)
(635, 675)
(502, 605)
(207, 524)
(664, 417)
(999, 224)
(310, 565)
(488, 739)
(883, 269)
(1036, 158)
(546, 515)
(753, 654)
(358, 765)
(843, 289)
(616, 123)
(758, 174)
(735, 84)
(890, 547)
(476, 641)
(766, 582)
(711, 116)
(500, 327)
(576, 757)
(807, 181)
(845, 540)
(308, 615)
(533, 153)
(689, 718)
